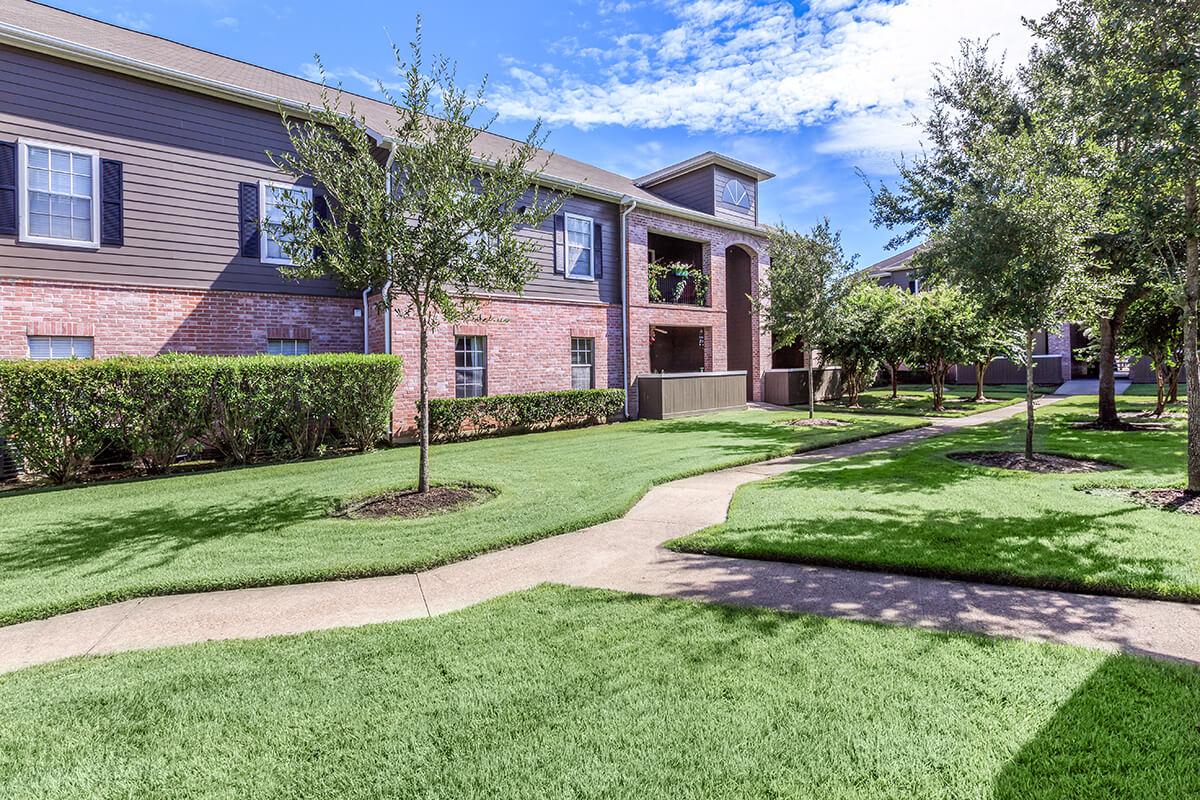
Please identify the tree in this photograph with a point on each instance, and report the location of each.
(430, 227)
(1154, 330)
(852, 341)
(985, 338)
(939, 325)
(808, 278)
(1138, 62)
(1002, 224)
(891, 341)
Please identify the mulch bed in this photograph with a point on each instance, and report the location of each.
(1165, 499)
(1041, 463)
(411, 504)
(816, 422)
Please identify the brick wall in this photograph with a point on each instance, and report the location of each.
(644, 315)
(528, 348)
(127, 320)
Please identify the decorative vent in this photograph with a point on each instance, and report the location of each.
(736, 194)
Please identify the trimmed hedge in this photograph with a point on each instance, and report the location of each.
(455, 418)
(59, 415)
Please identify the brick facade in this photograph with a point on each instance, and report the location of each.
(644, 314)
(142, 320)
(528, 348)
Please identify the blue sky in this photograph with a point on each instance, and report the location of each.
(810, 91)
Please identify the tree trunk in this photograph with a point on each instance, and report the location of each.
(1110, 329)
(981, 368)
(1173, 384)
(423, 407)
(812, 390)
(1029, 337)
(1161, 373)
(894, 368)
(937, 378)
(1191, 359)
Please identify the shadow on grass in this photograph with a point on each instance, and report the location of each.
(153, 536)
(1052, 550)
(1126, 732)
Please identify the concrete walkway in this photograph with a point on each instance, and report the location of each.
(1088, 386)
(627, 555)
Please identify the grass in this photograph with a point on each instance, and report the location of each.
(916, 511)
(560, 692)
(81, 547)
(917, 399)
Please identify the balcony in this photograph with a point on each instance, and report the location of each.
(675, 272)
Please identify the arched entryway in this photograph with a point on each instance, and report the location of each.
(739, 321)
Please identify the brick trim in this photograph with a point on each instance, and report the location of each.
(61, 329)
(289, 332)
(470, 330)
(585, 333)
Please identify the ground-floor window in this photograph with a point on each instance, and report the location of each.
(470, 366)
(583, 363)
(287, 347)
(43, 348)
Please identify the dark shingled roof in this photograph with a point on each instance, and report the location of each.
(193, 62)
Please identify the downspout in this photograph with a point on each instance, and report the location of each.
(366, 321)
(625, 212)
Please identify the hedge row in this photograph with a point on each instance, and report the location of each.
(455, 418)
(58, 416)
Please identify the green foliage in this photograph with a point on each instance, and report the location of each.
(658, 271)
(470, 217)
(940, 328)
(452, 418)
(807, 280)
(852, 341)
(58, 415)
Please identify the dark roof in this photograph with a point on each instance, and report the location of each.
(894, 263)
(169, 58)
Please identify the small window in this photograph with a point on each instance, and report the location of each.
(736, 194)
(580, 263)
(914, 286)
(59, 198)
(287, 347)
(470, 366)
(43, 348)
(583, 363)
(275, 199)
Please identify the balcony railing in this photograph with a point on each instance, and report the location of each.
(685, 286)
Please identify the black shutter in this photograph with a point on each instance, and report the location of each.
(248, 220)
(8, 188)
(560, 244)
(112, 202)
(598, 249)
(320, 219)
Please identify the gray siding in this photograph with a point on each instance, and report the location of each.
(691, 190)
(723, 210)
(184, 156)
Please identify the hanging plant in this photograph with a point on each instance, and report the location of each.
(683, 271)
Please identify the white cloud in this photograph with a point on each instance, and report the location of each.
(137, 22)
(227, 22)
(860, 67)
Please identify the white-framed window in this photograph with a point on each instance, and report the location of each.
(43, 348)
(581, 262)
(60, 194)
(914, 285)
(736, 194)
(274, 199)
(583, 363)
(287, 347)
(470, 366)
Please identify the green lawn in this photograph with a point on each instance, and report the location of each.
(917, 399)
(69, 549)
(561, 692)
(917, 511)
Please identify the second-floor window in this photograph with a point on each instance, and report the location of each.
(275, 199)
(581, 262)
(58, 186)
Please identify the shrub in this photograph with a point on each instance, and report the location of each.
(452, 418)
(57, 415)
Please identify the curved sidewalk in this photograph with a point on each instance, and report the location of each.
(627, 554)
